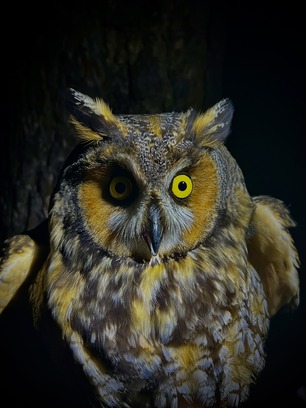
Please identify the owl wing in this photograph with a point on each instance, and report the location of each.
(21, 258)
(273, 254)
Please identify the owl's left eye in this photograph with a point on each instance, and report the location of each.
(181, 186)
(120, 187)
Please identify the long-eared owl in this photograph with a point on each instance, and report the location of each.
(159, 268)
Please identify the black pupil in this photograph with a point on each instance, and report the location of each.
(120, 187)
(182, 185)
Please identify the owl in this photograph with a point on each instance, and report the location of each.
(157, 266)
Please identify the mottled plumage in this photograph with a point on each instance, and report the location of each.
(163, 273)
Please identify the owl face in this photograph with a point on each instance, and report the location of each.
(144, 186)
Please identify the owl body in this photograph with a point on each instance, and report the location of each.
(149, 275)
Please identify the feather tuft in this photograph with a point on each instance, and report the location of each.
(92, 119)
(212, 127)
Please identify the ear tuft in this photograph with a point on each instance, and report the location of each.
(92, 119)
(212, 127)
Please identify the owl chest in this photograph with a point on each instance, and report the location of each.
(146, 319)
(179, 343)
(126, 319)
(163, 325)
(141, 340)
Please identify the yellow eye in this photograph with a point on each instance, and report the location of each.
(181, 186)
(120, 187)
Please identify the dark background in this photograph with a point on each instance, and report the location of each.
(264, 75)
(148, 58)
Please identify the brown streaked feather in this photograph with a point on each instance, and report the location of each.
(273, 254)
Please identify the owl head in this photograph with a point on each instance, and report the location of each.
(145, 187)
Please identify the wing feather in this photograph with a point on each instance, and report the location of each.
(273, 254)
(22, 256)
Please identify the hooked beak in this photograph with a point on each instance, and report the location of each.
(152, 236)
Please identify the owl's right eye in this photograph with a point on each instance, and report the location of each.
(120, 187)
